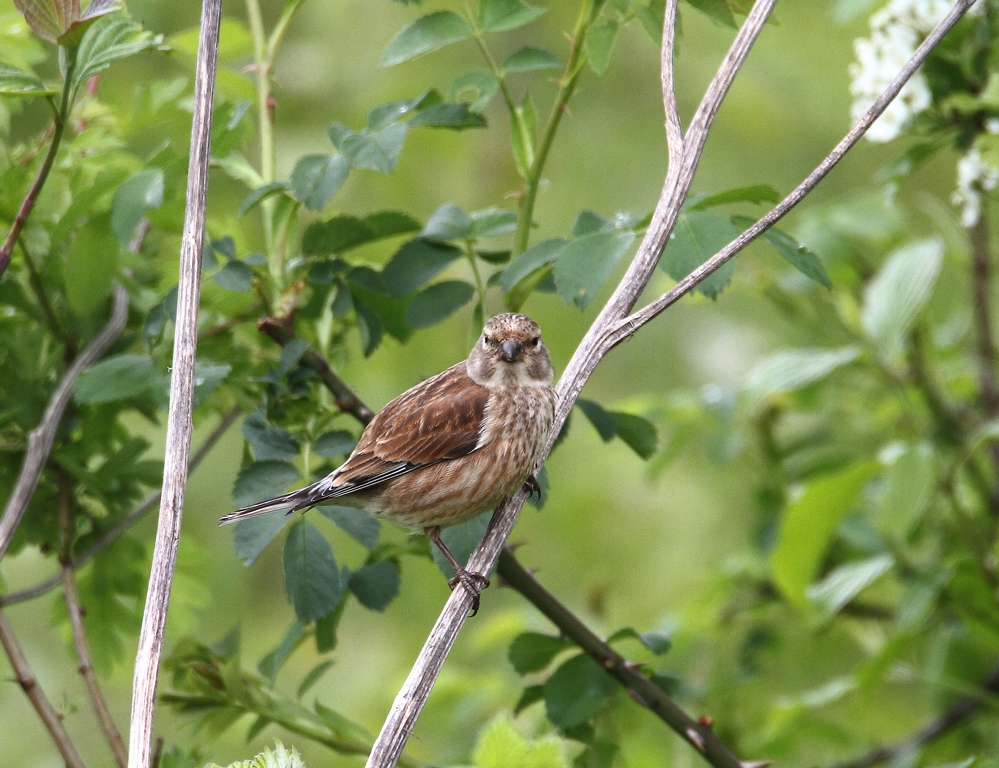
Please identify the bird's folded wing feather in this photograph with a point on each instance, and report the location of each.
(437, 420)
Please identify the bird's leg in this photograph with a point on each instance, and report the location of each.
(533, 486)
(474, 583)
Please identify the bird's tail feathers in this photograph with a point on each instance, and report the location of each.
(290, 501)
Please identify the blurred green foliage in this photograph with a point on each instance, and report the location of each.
(809, 554)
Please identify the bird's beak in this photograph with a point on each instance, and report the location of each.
(509, 350)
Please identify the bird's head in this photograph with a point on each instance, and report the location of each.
(510, 350)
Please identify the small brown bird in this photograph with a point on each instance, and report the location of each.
(451, 447)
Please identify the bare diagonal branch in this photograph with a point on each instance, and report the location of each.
(42, 437)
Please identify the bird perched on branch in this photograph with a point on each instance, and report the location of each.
(451, 447)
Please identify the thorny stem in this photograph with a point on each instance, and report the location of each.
(29, 684)
(567, 87)
(265, 117)
(28, 204)
(75, 610)
(641, 688)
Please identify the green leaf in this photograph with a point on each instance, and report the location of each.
(133, 198)
(531, 695)
(500, 15)
(368, 325)
(377, 150)
(910, 485)
(461, 540)
(798, 256)
(808, 524)
(846, 582)
(376, 585)
(605, 424)
(493, 222)
(455, 117)
(599, 44)
(311, 575)
(268, 442)
(716, 10)
(271, 663)
(437, 303)
(793, 369)
(448, 222)
(638, 433)
(383, 114)
(698, 235)
(107, 40)
(656, 641)
(91, 266)
(589, 223)
(651, 18)
(260, 194)
(313, 677)
(49, 19)
(476, 87)
(208, 376)
(529, 59)
(896, 296)
(334, 444)
(115, 378)
(585, 263)
(15, 82)
(250, 537)
(344, 233)
(263, 480)
(326, 628)
(755, 193)
(576, 691)
(500, 746)
(426, 34)
(533, 651)
(355, 523)
(316, 178)
(416, 262)
(535, 257)
(235, 276)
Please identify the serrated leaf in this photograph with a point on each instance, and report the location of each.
(49, 19)
(115, 378)
(461, 540)
(500, 15)
(263, 480)
(91, 266)
(415, 263)
(268, 442)
(109, 39)
(455, 117)
(141, 192)
(316, 178)
(493, 222)
(355, 523)
(369, 326)
(846, 582)
(576, 691)
(793, 369)
(437, 303)
(589, 222)
(529, 59)
(755, 193)
(448, 222)
(250, 537)
(716, 10)
(698, 235)
(234, 276)
(599, 44)
(383, 114)
(338, 442)
(15, 82)
(584, 265)
(426, 34)
(656, 641)
(476, 87)
(894, 299)
(798, 256)
(311, 575)
(637, 433)
(538, 255)
(377, 150)
(807, 526)
(533, 651)
(376, 585)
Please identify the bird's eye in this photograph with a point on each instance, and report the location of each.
(488, 340)
(534, 341)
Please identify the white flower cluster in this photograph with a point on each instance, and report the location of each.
(974, 176)
(896, 32)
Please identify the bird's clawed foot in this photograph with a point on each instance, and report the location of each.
(473, 583)
(533, 487)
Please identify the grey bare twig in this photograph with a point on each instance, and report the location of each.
(616, 323)
(42, 437)
(29, 684)
(179, 419)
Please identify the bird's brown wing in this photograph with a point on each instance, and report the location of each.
(437, 420)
